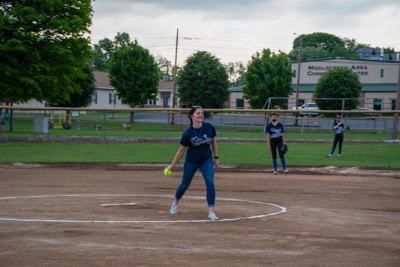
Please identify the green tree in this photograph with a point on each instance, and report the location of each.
(122, 39)
(203, 81)
(389, 50)
(42, 48)
(134, 74)
(339, 82)
(236, 71)
(309, 53)
(87, 87)
(105, 47)
(322, 45)
(319, 39)
(165, 66)
(268, 75)
(351, 45)
(102, 54)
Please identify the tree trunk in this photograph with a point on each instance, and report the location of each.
(132, 117)
(11, 118)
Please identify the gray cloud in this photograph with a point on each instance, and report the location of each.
(234, 9)
(254, 23)
(247, 8)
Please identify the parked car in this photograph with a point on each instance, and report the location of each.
(366, 114)
(305, 107)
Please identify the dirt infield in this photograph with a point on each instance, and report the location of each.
(118, 215)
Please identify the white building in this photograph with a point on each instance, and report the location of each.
(106, 96)
(378, 78)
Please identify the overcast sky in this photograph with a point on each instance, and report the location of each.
(234, 30)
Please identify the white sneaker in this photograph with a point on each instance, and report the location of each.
(212, 216)
(329, 155)
(275, 172)
(285, 171)
(338, 155)
(174, 209)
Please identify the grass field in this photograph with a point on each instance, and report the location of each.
(24, 126)
(300, 154)
(366, 155)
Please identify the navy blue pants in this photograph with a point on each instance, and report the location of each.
(207, 170)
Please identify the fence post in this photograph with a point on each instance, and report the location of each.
(49, 126)
(104, 124)
(168, 124)
(220, 123)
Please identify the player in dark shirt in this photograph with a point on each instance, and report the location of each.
(276, 139)
(196, 141)
(338, 128)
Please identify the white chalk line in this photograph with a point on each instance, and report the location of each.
(118, 204)
(282, 209)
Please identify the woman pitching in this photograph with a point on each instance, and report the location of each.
(196, 140)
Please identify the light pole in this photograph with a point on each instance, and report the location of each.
(175, 70)
(298, 80)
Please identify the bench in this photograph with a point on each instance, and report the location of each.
(91, 123)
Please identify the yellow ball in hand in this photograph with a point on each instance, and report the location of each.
(167, 172)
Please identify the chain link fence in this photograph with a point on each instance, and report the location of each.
(169, 123)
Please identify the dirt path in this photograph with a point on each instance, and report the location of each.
(117, 215)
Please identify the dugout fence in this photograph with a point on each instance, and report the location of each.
(164, 122)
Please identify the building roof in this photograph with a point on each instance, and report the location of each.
(165, 85)
(344, 58)
(236, 88)
(102, 80)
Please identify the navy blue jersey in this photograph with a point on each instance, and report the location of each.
(275, 131)
(198, 142)
(339, 130)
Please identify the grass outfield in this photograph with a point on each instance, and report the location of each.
(308, 154)
(24, 126)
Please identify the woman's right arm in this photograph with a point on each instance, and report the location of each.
(179, 154)
(269, 141)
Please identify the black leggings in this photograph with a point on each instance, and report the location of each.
(276, 142)
(338, 138)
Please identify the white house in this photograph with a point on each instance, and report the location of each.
(106, 96)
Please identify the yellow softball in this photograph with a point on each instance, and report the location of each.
(167, 172)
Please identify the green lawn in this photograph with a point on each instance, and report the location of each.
(300, 154)
(113, 128)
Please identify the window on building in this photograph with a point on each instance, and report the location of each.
(94, 98)
(166, 101)
(393, 104)
(151, 102)
(294, 74)
(377, 104)
(112, 98)
(239, 103)
(382, 73)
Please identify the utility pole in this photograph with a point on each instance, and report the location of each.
(175, 70)
(298, 80)
(396, 115)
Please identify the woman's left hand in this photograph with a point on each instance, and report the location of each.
(216, 163)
